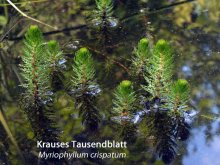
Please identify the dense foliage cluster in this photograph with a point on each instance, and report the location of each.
(35, 66)
(165, 100)
(85, 88)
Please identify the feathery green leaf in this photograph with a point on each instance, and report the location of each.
(159, 70)
(83, 68)
(179, 96)
(125, 98)
(141, 56)
(35, 66)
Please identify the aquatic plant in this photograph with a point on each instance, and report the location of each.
(177, 102)
(167, 103)
(55, 70)
(36, 97)
(178, 97)
(36, 83)
(124, 106)
(83, 69)
(85, 88)
(35, 66)
(106, 5)
(142, 54)
(159, 70)
(54, 54)
(102, 16)
(173, 96)
(125, 99)
(164, 108)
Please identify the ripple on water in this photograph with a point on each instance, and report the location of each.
(111, 22)
(72, 45)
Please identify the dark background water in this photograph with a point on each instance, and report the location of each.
(192, 28)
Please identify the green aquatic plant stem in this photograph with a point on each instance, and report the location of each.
(85, 88)
(179, 96)
(35, 65)
(37, 98)
(159, 70)
(142, 54)
(83, 69)
(102, 16)
(125, 98)
(124, 106)
(105, 6)
(54, 55)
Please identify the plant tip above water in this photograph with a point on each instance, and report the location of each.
(126, 83)
(34, 33)
(53, 46)
(163, 46)
(181, 86)
(83, 50)
(144, 41)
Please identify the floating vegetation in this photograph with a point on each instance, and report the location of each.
(85, 89)
(56, 62)
(124, 107)
(36, 78)
(179, 97)
(167, 102)
(159, 70)
(103, 14)
(125, 98)
(143, 99)
(35, 67)
(142, 53)
(36, 74)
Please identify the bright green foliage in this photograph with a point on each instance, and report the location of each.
(55, 69)
(143, 47)
(35, 66)
(83, 69)
(179, 96)
(125, 98)
(142, 55)
(54, 52)
(104, 7)
(86, 89)
(160, 70)
(102, 16)
(35, 71)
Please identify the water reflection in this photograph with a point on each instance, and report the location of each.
(187, 71)
(203, 152)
